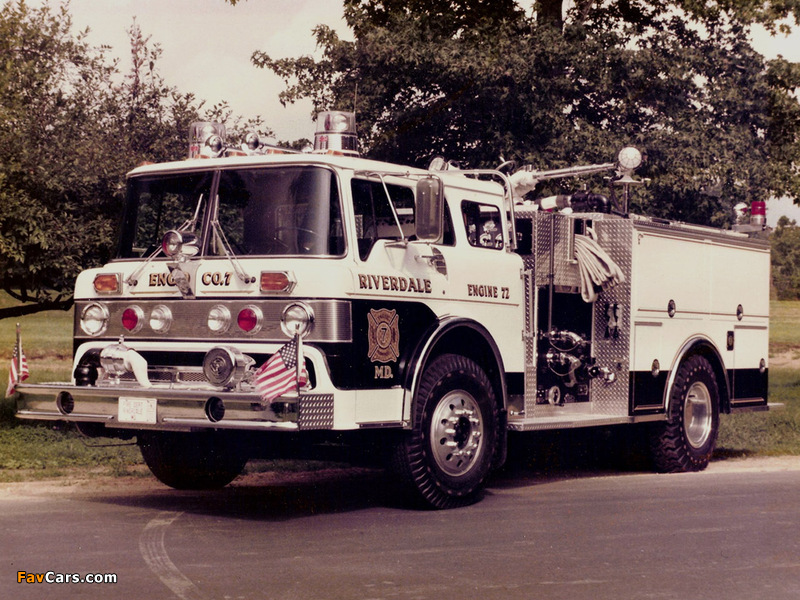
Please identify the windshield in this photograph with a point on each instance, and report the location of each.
(157, 204)
(280, 211)
(292, 210)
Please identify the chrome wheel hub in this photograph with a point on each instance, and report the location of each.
(698, 415)
(456, 434)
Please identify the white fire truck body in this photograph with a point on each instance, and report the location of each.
(435, 307)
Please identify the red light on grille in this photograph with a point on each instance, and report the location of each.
(249, 319)
(133, 318)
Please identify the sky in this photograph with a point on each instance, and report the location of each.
(207, 45)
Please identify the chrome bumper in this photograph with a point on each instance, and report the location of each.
(171, 409)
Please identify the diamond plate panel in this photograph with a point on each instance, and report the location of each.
(315, 411)
(612, 350)
(552, 251)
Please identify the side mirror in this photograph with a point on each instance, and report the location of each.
(430, 209)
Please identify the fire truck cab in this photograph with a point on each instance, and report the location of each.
(437, 309)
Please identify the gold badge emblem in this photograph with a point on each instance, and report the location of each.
(383, 335)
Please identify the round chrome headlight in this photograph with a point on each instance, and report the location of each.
(160, 318)
(94, 319)
(297, 318)
(219, 319)
(171, 243)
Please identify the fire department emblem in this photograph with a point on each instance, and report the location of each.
(383, 335)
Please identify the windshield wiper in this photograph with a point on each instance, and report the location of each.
(229, 254)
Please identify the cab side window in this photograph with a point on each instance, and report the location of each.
(483, 225)
(374, 217)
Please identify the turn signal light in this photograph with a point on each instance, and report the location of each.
(276, 281)
(107, 283)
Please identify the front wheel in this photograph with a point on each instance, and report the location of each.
(192, 461)
(687, 441)
(446, 457)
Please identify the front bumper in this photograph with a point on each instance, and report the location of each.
(170, 409)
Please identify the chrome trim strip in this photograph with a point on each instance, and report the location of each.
(232, 424)
(574, 421)
(697, 233)
(332, 320)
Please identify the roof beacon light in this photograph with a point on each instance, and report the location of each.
(758, 214)
(206, 139)
(336, 133)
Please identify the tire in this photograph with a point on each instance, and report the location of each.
(444, 460)
(687, 441)
(192, 461)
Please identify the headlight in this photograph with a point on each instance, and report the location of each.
(94, 319)
(297, 318)
(219, 319)
(160, 318)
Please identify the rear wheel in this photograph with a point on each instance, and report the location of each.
(192, 461)
(687, 441)
(446, 457)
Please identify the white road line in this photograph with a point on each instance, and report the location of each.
(151, 546)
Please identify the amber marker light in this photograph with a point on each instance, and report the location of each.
(107, 283)
(276, 281)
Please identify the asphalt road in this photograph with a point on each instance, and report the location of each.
(731, 532)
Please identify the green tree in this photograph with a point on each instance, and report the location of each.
(785, 256)
(71, 126)
(477, 79)
(54, 215)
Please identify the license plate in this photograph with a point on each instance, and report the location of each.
(137, 410)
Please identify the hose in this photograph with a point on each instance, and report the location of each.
(597, 269)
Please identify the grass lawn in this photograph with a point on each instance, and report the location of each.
(42, 450)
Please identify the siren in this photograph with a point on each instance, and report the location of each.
(336, 133)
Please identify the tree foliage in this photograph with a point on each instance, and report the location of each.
(71, 126)
(478, 79)
(785, 256)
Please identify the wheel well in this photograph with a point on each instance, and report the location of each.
(471, 341)
(709, 352)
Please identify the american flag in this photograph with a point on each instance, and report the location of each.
(279, 374)
(18, 371)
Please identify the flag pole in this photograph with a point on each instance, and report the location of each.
(300, 365)
(19, 351)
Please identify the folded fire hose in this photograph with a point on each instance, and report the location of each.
(597, 269)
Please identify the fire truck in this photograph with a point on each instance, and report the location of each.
(434, 311)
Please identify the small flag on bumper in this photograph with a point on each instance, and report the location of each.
(280, 373)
